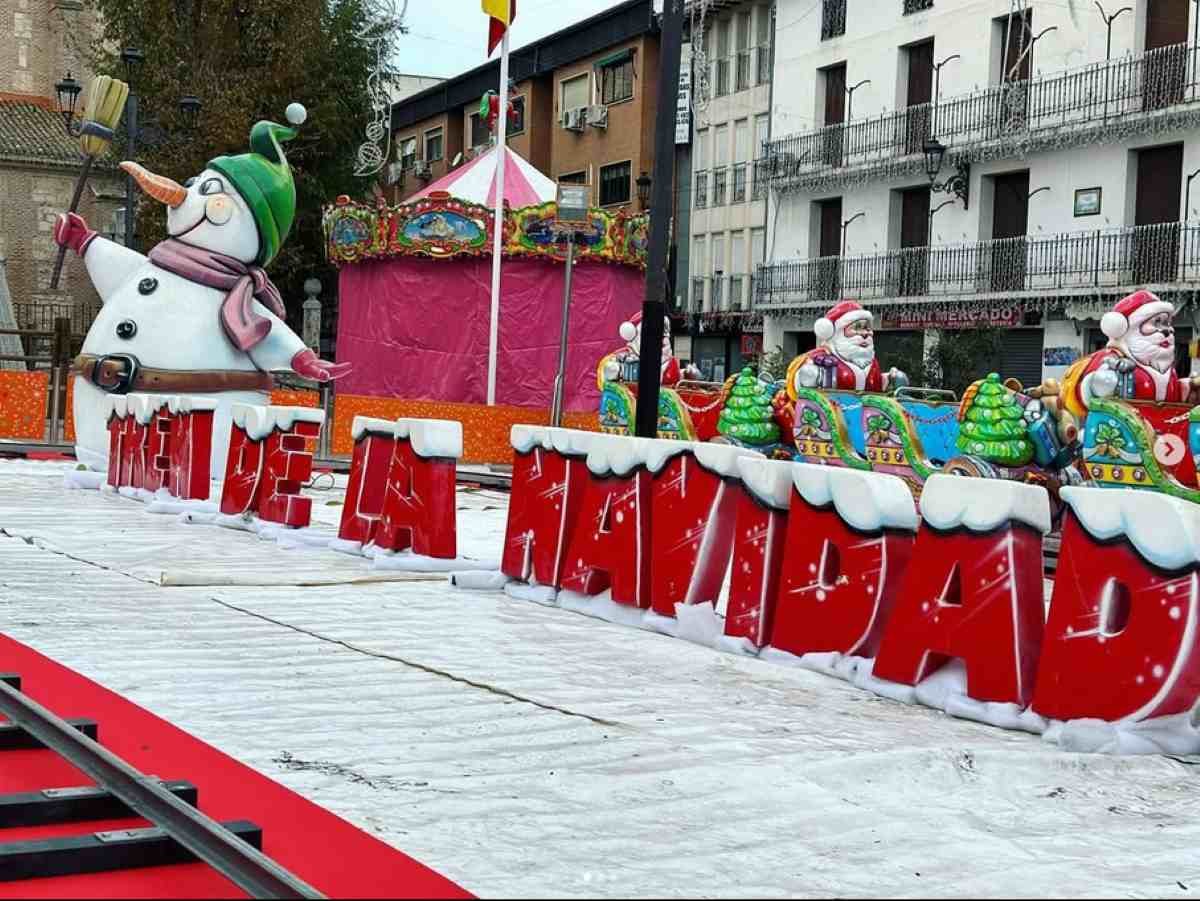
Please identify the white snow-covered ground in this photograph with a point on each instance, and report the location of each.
(530, 751)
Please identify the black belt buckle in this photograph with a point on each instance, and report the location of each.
(124, 382)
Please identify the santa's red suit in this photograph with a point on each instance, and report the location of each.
(670, 372)
(849, 377)
(1148, 382)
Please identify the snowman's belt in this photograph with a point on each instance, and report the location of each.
(122, 374)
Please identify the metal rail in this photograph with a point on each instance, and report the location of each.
(245, 866)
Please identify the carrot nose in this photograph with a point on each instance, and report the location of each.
(161, 188)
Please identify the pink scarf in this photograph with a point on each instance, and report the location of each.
(243, 283)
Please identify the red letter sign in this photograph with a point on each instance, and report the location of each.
(1121, 641)
(546, 490)
(849, 538)
(759, 530)
(268, 462)
(974, 589)
(190, 475)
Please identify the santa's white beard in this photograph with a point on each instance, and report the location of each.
(1146, 350)
(854, 351)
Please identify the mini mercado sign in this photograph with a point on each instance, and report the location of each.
(442, 227)
(959, 318)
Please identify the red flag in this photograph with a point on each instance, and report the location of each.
(498, 24)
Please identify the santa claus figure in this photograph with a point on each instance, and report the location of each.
(1139, 361)
(845, 355)
(631, 334)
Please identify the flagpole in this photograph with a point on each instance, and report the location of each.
(497, 238)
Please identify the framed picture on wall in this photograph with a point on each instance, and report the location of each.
(1087, 201)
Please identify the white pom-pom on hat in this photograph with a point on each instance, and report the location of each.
(296, 113)
(823, 329)
(627, 331)
(1114, 325)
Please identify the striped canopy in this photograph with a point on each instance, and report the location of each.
(476, 181)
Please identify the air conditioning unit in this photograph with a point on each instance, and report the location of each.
(422, 170)
(574, 119)
(597, 116)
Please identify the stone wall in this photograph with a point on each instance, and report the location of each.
(42, 40)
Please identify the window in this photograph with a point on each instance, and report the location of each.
(615, 183)
(722, 56)
(700, 150)
(433, 145)
(516, 124)
(739, 183)
(408, 153)
(742, 43)
(721, 145)
(741, 140)
(913, 6)
(574, 92)
(720, 180)
(737, 266)
(616, 80)
(574, 178)
(700, 186)
(762, 126)
(833, 18)
(762, 38)
(758, 246)
(480, 134)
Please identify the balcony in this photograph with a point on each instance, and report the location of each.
(739, 183)
(761, 181)
(1156, 91)
(720, 181)
(697, 298)
(833, 19)
(742, 78)
(915, 6)
(1165, 257)
(700, 186)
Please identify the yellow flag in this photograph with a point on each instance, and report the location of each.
(501, 10)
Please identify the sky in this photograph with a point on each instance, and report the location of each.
(447, 37)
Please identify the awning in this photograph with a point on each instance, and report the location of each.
(619, 57)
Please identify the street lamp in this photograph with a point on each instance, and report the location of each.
(1187, 197)
(958, 184)
(1033, 42)
(858, 215)
(68, 93)
(929, 226)
(937, 88)
(1108, 20)
(190, 107)
(643, 189)
(850, 97)
(133, 58)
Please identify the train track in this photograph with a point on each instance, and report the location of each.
(178, 832)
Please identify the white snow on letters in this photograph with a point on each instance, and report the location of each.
(429, 437)
(1164, 529)
(723, 458)
(983, 505)
(187, 403)
(868, 501)
(258, 422)
(769, 480)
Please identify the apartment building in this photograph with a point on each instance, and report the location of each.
(585, 100)
(730, 49)
(955, 162)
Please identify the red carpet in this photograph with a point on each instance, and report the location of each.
(328, 853)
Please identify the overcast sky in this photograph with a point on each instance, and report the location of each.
(447, 37)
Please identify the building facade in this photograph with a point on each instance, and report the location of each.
(40, 42)
(585, 101)
(1067, 142)
(730, 48)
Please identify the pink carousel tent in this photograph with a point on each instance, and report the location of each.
(476, 181)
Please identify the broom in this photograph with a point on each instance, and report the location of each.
(105, 103)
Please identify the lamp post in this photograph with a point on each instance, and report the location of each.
(643, 190)
(1033, 42)
(68, 91)
(850, 98)
(958, 184)
(929, 226)
(858, 215)
(1187, 197)
(1108, 21)
(937, 88)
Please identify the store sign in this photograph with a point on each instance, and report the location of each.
(965, 317)
(683, 103)
(752, 345)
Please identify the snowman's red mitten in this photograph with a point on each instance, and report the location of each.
(70, 230)
(309, 365)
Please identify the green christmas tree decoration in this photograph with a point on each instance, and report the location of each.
(748, 417)
(993, 425)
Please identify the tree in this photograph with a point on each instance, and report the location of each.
(993, 425)
(247, 60)
(748, 416)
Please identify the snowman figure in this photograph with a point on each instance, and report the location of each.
(199, 316)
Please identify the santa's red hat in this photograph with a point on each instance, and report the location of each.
(1131, 312)
(840, 315)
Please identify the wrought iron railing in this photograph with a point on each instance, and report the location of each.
(1082, 99)
(737, 299)
(1075, 262)
(764, 61)
(833, 18)
(739, 183)
(720, 180)
(37, 316)
(761, 181)
(700, 188)
(718, 293)
(915, 6)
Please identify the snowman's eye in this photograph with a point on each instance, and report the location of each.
(212, 186)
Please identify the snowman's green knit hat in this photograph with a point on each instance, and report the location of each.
(264, 179)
